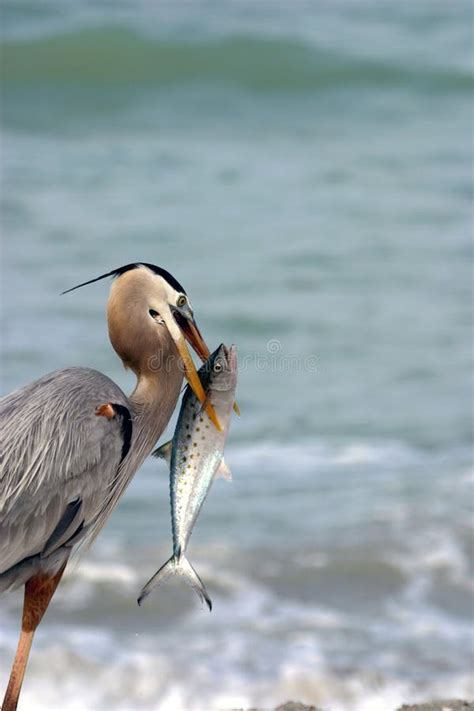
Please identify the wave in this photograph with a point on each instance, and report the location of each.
(255, 650)
(121, 57)
(92, 670)
(287, 623)
(306, 454)
(260, 647)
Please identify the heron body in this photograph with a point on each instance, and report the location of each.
(76, 478)
(72, 441)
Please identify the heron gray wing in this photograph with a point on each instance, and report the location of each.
(67, 527)
(56, 451)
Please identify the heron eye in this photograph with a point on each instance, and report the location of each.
(181, 301)
(217, 367)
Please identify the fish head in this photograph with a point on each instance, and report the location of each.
(220, 370)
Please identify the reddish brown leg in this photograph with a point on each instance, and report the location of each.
(38, 592)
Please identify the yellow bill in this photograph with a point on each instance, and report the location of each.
(194, 337)
(193, 379)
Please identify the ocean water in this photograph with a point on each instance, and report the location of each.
(305, 170)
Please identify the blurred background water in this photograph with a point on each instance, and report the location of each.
(304, 169)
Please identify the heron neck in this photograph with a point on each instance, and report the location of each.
(153, 401)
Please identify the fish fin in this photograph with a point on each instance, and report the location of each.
(177, 566)
(164, 452)
(223, 471)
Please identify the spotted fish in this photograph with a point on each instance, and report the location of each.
(195, 456)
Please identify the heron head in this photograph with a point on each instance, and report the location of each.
(144, 300)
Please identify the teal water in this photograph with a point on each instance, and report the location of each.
(305, 170)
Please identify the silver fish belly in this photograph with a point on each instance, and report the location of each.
(195, 455)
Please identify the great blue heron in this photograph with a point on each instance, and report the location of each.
(72, 440)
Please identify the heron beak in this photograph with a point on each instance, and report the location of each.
(192, 334)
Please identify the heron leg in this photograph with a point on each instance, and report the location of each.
(38, 593)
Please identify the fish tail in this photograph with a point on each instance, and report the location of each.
(177, 566)
(192, 578)
(165, 572)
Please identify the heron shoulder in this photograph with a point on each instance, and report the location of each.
(61, 385)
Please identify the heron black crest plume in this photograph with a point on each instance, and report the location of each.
(128, 267)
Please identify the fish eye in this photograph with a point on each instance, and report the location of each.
(181, 301)
(217, 367)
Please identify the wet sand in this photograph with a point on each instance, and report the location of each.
(441, 705)
(444, 705)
